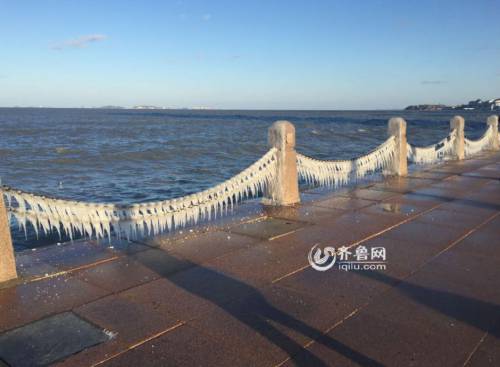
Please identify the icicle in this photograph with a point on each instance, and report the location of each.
(475, 146)
(432, 153)
(337, 173)
(136, 220)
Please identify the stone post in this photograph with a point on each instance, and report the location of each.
(397, 128)
(458, 123)
(493, 122)
(285, 190)
(7, 259)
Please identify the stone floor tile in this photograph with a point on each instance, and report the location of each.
(403, 256)
(211, 285)
(430, 174)
(467, 275)
(118, 275)
(188, 347)
(131, 322)
(470, 207)
(49, 340)
(31, 301)
(170, 297)
(248, 332)
(354, 226)
(454, 219)
(369, 194)
(394, 209)
(345, 289)
(419, 232)
(402, 184)
(438, 193)
(121, 246)
(482, 243)
(161, 262)
(493, 226)
(344, 203)
(267, 228)
(434, 327)
(484, 173)
(299, 315)
(206, 246)
(29, 266)
(72, 255)
(303, 213)
(261, 264)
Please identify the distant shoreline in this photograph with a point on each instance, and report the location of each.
(476, 105)
(413, 108)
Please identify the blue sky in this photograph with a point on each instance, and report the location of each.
(248, 54)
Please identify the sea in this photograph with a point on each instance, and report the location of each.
(127, 156)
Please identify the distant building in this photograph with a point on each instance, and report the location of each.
(495, 104)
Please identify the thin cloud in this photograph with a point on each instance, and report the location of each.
(432, 82)
(79, 42)
(206, 17)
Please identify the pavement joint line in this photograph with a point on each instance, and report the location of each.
(142, 243)
(133, 346)
(458, 240)
(482, 177)
(284, 234)
(326, 331)
(474, 350)
(69, 271)
(290, 274)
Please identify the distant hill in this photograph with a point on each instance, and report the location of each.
(112, 107)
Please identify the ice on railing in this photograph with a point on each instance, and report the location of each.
(137, 220)
(475, 146)
(432, 153)
(336, 173)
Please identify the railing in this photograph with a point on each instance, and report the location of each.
(274, 176)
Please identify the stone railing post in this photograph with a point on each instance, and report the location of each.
(285, 191)
(493, 122)
(397, 128)
(7, 259)
(458, 123)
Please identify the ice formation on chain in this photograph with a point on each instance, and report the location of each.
(432, 153)
(336, 173)
(136, 220)
(475, 146)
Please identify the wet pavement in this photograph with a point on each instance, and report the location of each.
(241, 291)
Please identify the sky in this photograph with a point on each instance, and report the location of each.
(248, 54)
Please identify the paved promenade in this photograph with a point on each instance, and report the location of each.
(241, 292)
